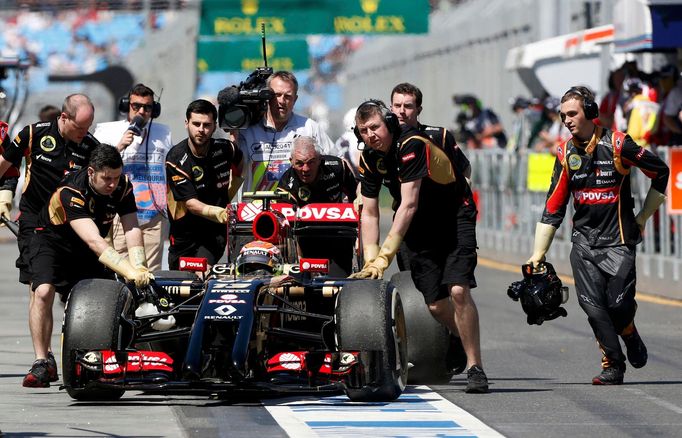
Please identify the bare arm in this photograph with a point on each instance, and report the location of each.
(409, 193)
(86, 229)
(132, 231)
(370, 221)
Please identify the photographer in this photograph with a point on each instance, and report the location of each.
(267, 144)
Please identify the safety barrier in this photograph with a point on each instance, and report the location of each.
(508, 212)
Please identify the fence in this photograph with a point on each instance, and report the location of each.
(508, 212)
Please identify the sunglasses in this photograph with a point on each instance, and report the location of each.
(136, 106)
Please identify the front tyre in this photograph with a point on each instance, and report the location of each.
(369, 317)
(92, 321)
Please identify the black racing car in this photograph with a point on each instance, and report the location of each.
(256, 323)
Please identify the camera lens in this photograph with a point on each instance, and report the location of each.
(235, 117)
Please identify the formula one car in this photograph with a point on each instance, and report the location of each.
(271, 319)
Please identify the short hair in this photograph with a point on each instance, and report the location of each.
(304, 141)
(370, 108)
(105, 155)
(48, 113)
(141, 90)
(407, 88)
(201, 106)
(578, 93)
(284, 76)
(73, 102)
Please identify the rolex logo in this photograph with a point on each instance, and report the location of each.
(369, 6)
(249, 7)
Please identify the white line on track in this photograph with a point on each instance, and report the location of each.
(419, 412)
(660, 402)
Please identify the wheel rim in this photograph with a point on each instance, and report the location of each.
(400, 338)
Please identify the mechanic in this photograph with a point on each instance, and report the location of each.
(70, 246)
(143, 145)
(313, 177)
(52, 150)
(406, 103)
(266, 145)
(203, 175)
(428, 193)
(593, 168)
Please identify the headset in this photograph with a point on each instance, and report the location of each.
(391, 120)
(590, 107)
(124, 104)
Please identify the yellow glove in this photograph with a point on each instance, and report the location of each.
(137, 256)
(376, 267)
(120, 265)
(544, 234)
(6, 203)
(653, 200)
(369, 253)
(215, 214)
(235, 183)
(357, 203)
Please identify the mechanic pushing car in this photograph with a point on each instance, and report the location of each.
(72, 227)
(593, 168)
(428, 192)
(314, 177)
(203, 176)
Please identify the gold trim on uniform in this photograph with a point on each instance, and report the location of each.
(176, 209)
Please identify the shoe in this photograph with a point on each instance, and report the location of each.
(477, 382)
(637, 354)
(610, 376)
(38, 375)
(52, 367)
(455, 358)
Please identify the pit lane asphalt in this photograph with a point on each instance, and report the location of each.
(540, 379)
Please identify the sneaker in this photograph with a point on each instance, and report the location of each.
(52, 367)
(455, 358)
(38, 375)
(477, 382)
(610, 376)
(637, 354)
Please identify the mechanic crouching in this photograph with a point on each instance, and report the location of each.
(203, 175)
(428, 192)
(315, 178)
(70, 246)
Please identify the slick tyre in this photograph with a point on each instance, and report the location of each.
(92, 321)
(427, 339)
(369, 317)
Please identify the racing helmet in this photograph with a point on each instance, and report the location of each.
(259, 256)
(541, 294)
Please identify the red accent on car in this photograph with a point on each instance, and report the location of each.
(314, 265)
(194, 264)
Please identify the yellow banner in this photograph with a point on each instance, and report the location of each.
(540, 167)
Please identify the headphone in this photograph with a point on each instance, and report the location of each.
(590, 107)
(391, 120)
(124, 104)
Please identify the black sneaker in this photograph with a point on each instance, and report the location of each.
(637, 354)
(455, 358)
(477, 382)
(52, 367)
(610, 376)
(38, 375)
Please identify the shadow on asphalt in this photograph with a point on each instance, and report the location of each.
(629, 382)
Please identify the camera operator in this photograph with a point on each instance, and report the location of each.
(202, 174)
(313, 177)
(267, 144)
(70, 245)
(143, 145)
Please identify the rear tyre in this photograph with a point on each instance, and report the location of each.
(369, 317)
(92, 321)
(427, 339)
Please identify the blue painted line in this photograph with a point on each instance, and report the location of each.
(378, 424)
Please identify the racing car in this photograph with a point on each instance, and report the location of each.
(278, 316)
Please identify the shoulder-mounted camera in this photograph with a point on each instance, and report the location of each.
(540, 292)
